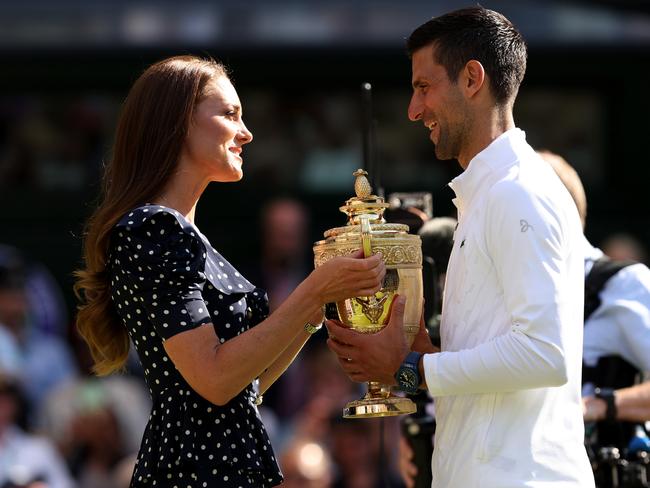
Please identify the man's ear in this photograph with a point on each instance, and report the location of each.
(473, 77)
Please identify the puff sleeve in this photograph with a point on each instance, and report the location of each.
(159, 265)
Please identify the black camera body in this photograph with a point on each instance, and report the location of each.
(612, 470)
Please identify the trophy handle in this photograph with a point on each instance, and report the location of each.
(365, 235)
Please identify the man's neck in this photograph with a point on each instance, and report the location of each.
(498, 121)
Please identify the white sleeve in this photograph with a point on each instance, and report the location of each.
(625, 301)
(526, 238)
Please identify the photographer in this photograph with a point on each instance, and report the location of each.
(616, 346)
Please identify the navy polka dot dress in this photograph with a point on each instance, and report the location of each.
(166, 278)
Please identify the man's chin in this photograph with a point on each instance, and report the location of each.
(442, 155)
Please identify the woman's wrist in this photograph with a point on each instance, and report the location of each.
(309, 293)
(315, 322)
(311, 328)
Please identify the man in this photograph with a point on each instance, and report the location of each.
(617, 330)
(507, 382)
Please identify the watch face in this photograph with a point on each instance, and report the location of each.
(407, 380)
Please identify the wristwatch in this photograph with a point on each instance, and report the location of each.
(408, 374)
(608, 395)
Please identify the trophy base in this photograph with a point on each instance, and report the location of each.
(378, 407)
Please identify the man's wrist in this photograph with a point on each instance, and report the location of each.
(608, 395)
(423, 379)
(408, 374)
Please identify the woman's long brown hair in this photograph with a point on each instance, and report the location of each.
(149, 137)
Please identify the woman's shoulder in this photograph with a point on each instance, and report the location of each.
(155, 226)
(159, 216)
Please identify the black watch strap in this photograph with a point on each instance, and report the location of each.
(609, 396)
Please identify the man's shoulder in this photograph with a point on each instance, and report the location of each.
(529, 182)
(634, 277)
(512, 190)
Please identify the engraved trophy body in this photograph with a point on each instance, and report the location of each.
(402, 254)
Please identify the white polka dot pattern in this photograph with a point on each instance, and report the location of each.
(166, 278)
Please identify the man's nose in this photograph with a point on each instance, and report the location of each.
(415, 109)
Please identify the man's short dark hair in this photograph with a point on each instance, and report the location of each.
(480, 34)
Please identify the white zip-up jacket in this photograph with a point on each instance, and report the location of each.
(507, 384)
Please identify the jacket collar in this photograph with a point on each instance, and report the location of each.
(499, 154)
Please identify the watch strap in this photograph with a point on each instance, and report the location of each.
(609, 396)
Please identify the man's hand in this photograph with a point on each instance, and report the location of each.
(407, 470)
(371, 357)
(422, 342)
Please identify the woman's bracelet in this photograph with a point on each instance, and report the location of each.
(312, 328)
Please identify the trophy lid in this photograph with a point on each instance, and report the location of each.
(365, 203)
(399, 248)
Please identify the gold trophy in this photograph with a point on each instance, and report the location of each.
(402, 254)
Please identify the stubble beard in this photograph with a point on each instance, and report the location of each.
(448, 144)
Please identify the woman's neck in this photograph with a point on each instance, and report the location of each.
(182, 193)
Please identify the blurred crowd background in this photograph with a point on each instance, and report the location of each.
(65, 68)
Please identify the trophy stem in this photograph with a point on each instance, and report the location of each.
(377, 390)
(378, 402)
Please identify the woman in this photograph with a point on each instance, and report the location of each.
(152, 276)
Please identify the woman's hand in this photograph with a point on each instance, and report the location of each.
(348, 276)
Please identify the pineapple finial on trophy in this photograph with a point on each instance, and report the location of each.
(361, 185)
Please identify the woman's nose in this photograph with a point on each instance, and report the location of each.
(245, 135)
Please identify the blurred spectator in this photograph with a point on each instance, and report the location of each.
(41, 361)
(124, 470)
(125, 397)
(306, 464)
(52, 143)
(283, 264)
(284, 261)
(48, 311)
(26, 461)
(325, 390)
(624, 247)
(351, 447)
(98, 424)
(356, 449)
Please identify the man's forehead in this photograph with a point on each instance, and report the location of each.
(423, 65)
